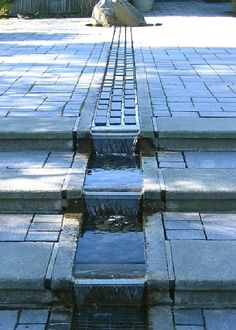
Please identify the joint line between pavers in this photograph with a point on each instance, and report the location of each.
(170, 268)
(48, 277)
(162, 186)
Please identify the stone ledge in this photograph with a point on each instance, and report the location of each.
(36, 133)
(195, 133)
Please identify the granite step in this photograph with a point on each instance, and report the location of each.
(36, 253)
(189, 181)
(24, 133)
(195, 133)
(191, 259)
(41, 181)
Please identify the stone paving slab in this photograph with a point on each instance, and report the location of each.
(196, 159)
(196, 189)
(205, 266)
(192, 270)
(37, 253)
(36, 133)
(50, 180)
(35, 319)
(168, 318)
(195, 133)
(48, 66)
(177, 188)
(187, 77)
(35, 159)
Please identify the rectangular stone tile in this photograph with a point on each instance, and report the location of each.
(42, 236)
(32, 316)
(14, 227)
(196, 127)
(24, 264)
(170, 156)
(206, 265)
(181, 107)
(26, 182)
(59, 160)
(199, 184)
(183, 234)
(186, 225)
(48, 218)
(220, 229)
(28, 159)
(64, 264)
(160, 318)
(218, 319)
(166, 164)
(8, 319)
(181, 216)
(188, 316)
(31, 327)
(211, 159)
(157, 269)
(222, 114)
(189, 327)
(185, 114)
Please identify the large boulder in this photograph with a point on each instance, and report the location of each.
(116, 13)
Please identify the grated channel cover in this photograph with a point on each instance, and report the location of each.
(110, 319)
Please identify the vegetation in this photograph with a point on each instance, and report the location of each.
(86, 6)
(5, 6)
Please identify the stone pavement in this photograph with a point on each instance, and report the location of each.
(34, 319)
(182, 105)
(166, 318)
(48, 66)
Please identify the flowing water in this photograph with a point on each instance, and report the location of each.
(110, 259)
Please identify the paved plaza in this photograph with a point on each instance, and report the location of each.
(67, 88)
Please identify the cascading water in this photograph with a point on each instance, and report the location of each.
(110, 259)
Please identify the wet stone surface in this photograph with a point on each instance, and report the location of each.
(114, 173)
(109, 319)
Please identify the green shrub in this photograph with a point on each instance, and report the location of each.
(5, 6)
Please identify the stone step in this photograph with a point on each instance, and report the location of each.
(191, 259)
(41, 181)
(189, 182)
(195, 133)
(36, 255)
(24, 133)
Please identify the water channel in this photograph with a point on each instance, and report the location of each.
(110, 264)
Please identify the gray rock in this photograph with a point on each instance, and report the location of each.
(116, 13)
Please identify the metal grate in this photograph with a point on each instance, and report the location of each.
(110, 319)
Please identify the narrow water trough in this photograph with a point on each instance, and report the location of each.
(110, 265)
(110, 260)
(111, 246)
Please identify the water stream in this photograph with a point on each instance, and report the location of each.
(110, 259)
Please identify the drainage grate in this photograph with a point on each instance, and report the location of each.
(117, 104)
(110, 319)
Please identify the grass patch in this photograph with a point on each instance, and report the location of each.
(5, 6)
